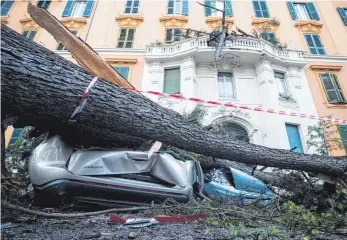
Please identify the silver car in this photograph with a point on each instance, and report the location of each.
(110, 177)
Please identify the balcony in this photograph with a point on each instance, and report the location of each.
(249, 49)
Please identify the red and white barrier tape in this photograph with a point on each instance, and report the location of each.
(232, 105)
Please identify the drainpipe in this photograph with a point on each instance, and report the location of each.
(91, 21)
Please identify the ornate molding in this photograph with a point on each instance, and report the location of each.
(174, 21)
(129, 61)
(265, 24)
(129, 20)
(325, 68)
(309, 26)
(216, 22)
(28, 23)
(73, 23)
(4, 20)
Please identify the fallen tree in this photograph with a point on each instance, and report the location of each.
(42, 89)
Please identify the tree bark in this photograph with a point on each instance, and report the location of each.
(42, 89)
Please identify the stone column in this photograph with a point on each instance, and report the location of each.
(188, 77)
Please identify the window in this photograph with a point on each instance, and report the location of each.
(269, 36)
(61, 47)
(294, 138)
(126, 38)
(172, 81)
(260, 9)
(173, 35)
(343, 14)
(314, 44)
(123, 71)
(219, 5)
(16, 135)
(78, 8)
(282, 83)
(177, 7)
(343, 134)
(225, 85)
(332, 88)
(232, 130)
(302, 11)
(29, 34)
(44, 4)
(6, 7)
(132, 6)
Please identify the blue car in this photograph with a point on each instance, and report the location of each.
(230, 184)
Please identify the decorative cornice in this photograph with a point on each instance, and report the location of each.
(308, 26)
(325, 68)
(28, 23)
(216, 22)
(174, 21)
(129, 20)
(121, 60)
(73, 23)
(265, 24)
(4, 19)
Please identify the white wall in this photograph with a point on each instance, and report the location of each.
(255, 86)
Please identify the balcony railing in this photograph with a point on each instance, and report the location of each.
(238, 43)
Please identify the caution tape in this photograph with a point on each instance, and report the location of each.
(237, 106)
(83, 101)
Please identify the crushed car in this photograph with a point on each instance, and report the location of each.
(231, 184)
(59, 173)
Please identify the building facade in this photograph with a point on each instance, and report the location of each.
(298, 65)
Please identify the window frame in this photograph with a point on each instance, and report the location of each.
(261, 11)
(285, 85)
(267, 39)
(179, 79)
(30, 30)
(81, 9)
(337, 91)
(173, 40)
(60, 44)
(45, 1)
(314, 43)
(8, 9)
(132, 7)
(176, 9)
(233, 90)
(125, 41)
(305, 9)
(123, 66)
(344, 141)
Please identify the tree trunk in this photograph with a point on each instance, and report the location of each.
(42, 89)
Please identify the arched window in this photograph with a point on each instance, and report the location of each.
(232, 130)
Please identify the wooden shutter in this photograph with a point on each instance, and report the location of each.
(207, 9)
(292, 10)
(329, 88)
(343, 135)
(338, 89)
(89, 8)
(170, 7)
(136, 6)
(314, 44)
(294, 138)
(185, 7)
(256, 7)
(172, 81)
(44, 4)
(68, 8)
(228, 8)
(168, 37)
(312, 11)
(343, 14)
(6, 7)
(123, 71)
